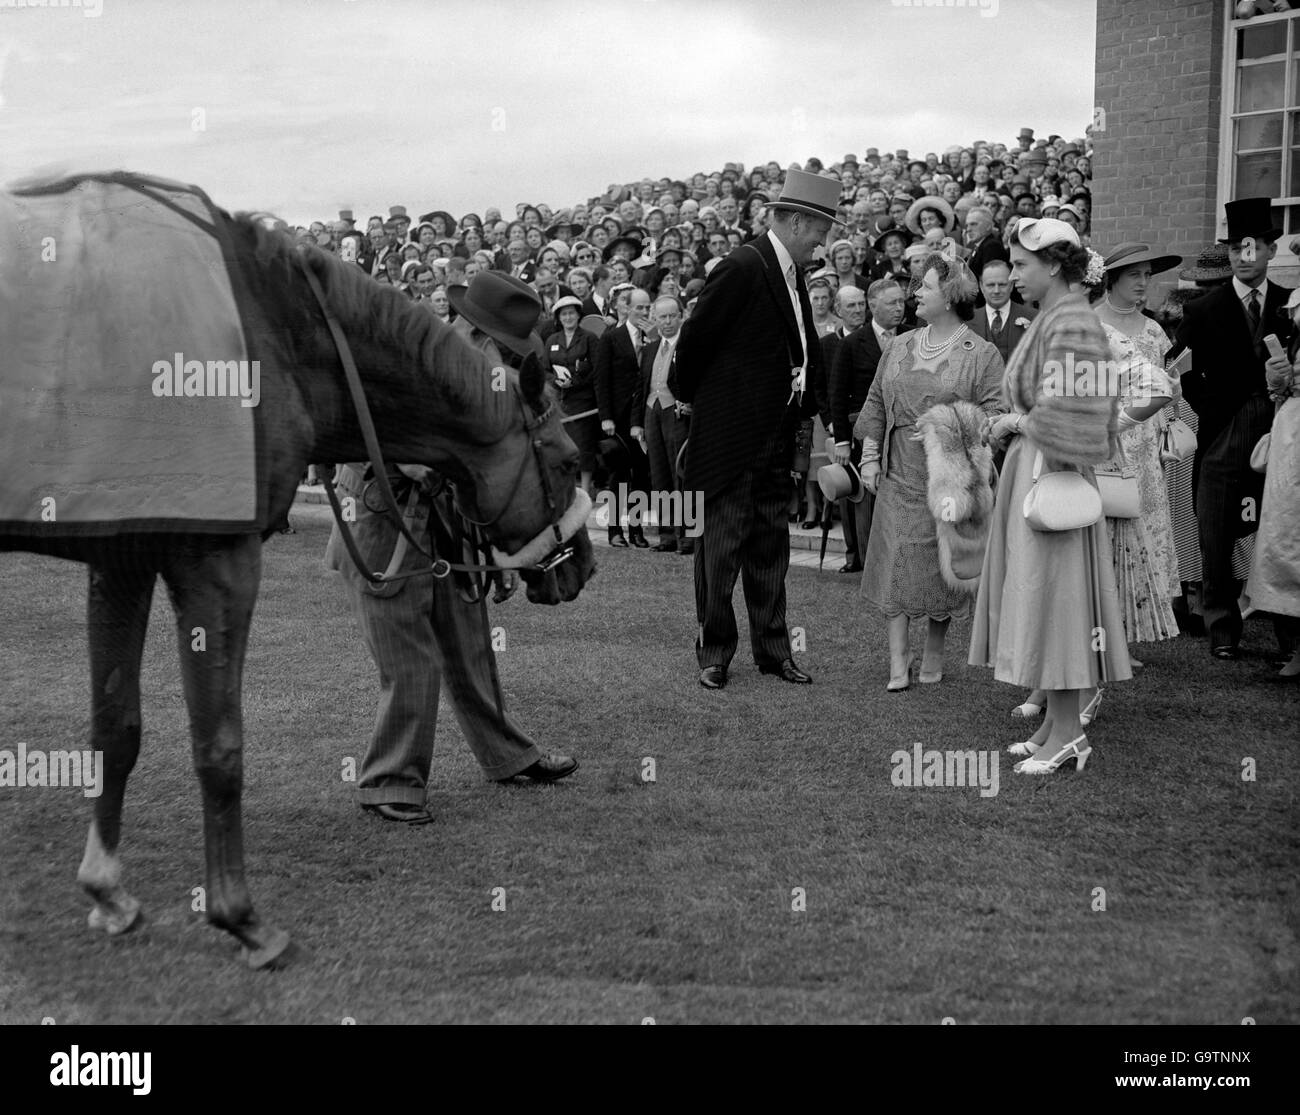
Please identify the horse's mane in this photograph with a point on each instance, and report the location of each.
(377, 315)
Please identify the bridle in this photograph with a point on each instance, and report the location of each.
(457, 536)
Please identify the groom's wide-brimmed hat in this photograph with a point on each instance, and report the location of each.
(503, 307)
(1250, 217)
(814, 194)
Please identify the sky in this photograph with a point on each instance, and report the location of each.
(303, 107)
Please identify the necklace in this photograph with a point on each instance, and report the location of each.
(1106, 299)
(926, 351)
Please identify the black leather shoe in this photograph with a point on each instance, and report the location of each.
(616, 539)
(787, 671)
(637, 538)
(403, 812)
(714, 677)
(549, 768)
(668, 546)
(851, 567)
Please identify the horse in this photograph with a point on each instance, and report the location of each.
(494, 434)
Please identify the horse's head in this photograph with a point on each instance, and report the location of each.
(524, 496)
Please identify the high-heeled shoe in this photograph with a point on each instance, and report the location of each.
(1025, 749)
(1089, 713)
(896, 684)
(1049, 766)
(1027, 711)
(930, 677)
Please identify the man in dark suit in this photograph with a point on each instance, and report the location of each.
(618, 371)
(851, 309)
(1227, 388)
(984, 243)
(744, 364)
(658, 423)
(850, 379)
(1000, 321)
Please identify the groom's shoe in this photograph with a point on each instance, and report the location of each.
(787, 671)
(714, 677)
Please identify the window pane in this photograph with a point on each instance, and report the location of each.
(1260, 86)
(1292, 221)
(1255, 132)
(1295, 81)
(1262, 40)
(1259, 175)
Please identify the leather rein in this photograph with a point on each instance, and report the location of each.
(452, 536)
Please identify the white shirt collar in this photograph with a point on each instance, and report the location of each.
(1243, 291)
(1005, 311)
(880, 332)
(783, 257)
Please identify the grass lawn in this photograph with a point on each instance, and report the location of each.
(670, 899)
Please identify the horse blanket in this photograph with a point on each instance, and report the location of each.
(128, 401)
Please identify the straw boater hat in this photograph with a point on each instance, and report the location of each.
(813, 194)
(1211, 265)
(1132, 254)
(930, 201)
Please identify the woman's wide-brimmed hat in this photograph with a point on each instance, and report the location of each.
(567, 300)
(902, 234)
(629, 240)
(1212, 265)
(938, 204)
(841, 482)
(1132, 254)
(503, 307)
(814, 194)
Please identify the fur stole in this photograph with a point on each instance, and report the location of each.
(1076, 425)
(959, 489)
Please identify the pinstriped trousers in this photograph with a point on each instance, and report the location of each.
(424, 634)
(1225, 480)
(746, 533)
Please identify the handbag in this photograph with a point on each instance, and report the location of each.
(1117, 483)
(1060, 500)
(1177, 441)
(1259, 455)
(802, 461)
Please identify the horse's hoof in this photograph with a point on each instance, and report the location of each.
(120, 917)
(270, 947)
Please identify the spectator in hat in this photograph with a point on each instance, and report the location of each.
(570, 360)
(890, 264)
(841, 260)
(1228, 388)
(400, 221)
(982, 242)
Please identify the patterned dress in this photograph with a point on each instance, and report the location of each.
(901, 571)
(1146, 564)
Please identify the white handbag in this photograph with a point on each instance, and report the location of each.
(1177, 441)
(1060, 500)
(1259, 455)
(1117, 483)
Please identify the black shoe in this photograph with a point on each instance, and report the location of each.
(808, 524)
(637, 538)
(714, 677)
(787, 671)
(549, 768)
(403, 812)
(851, 567)
(1226, 653)
(686, 549)
(667, 546)
(616, 539)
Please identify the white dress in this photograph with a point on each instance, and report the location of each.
(1274, 584)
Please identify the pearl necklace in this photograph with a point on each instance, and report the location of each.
(1109, 303)
(927, 351)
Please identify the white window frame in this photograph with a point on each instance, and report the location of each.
(1227, 156)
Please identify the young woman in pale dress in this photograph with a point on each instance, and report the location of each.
(1048, 614)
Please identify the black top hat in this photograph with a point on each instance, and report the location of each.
(1250, 216)
(503, 307)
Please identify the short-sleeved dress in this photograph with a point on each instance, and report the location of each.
(901, 570)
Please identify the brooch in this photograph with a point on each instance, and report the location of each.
(968, 343)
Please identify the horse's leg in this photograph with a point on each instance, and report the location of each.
(213, 586)
(117, 618)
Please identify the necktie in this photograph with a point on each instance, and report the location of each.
(1253, 311)
(997, 323)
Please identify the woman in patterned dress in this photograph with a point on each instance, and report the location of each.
(940, 363)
